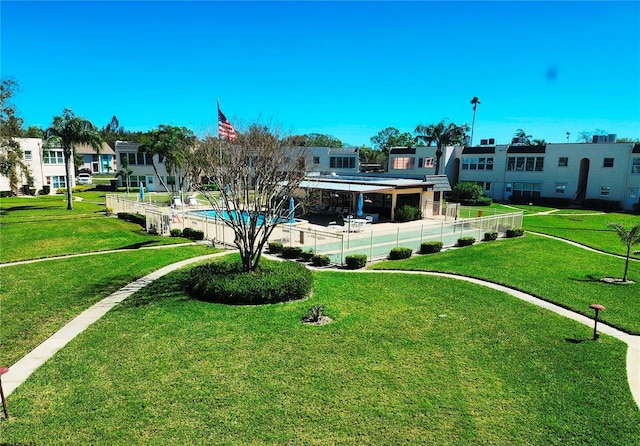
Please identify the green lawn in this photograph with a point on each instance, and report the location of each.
(584, 227)
(39, 298)
(32, 228)
(407, 360)
(550, 269)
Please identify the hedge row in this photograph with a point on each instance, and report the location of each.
(133, 218)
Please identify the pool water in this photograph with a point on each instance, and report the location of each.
(226, 216)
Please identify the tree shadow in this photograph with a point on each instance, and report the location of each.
(576, 341)
(169, 288)
(587, 278)
(139, 245)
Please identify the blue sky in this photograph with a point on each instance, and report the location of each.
(348, 69)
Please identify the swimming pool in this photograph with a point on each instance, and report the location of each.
(227, 216)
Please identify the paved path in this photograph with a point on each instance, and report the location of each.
(21, 370)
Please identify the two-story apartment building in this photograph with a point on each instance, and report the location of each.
(572, 171)
(326, 159)
(45, 167)
(143, 173)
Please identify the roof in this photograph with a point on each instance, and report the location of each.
(86, 149)
(478, 150)
(366, 183)
(526, 149)
(402, 151)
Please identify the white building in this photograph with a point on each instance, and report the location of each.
(143, 173)
(46, 168)
(569, 172)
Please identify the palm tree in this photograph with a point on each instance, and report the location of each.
(475, 101)
(629, 238)
(125, 173)
(442, 134)
(522, 134)
(66, 131)
(539, 142)
(171, 144)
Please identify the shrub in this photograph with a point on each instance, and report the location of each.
(636, 208)
(356, 261)
(176, 232)
(399, 252)
(223, 281)
(407, 213)
(466, 241)
(465, 190)
(598, 203)
(314, 314)
(291, 252)
(491, 235)
(430, 247)
(320, 260)
(514, 232)
(275, 247)
(193, 234)
(133, 218)
(306, 256)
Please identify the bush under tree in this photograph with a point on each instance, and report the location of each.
(224, 281)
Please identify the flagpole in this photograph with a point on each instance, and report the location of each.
(219, 139)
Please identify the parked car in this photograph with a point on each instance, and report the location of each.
(84, 178)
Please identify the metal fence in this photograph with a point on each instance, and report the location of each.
(375, 241)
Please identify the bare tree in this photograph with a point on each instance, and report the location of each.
(255, 177)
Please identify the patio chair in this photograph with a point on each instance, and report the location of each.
(192, 201)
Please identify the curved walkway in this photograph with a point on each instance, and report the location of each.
(21, 370)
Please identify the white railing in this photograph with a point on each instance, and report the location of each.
(375, 243)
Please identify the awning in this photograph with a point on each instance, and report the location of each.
(345, 187)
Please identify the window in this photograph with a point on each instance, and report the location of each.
(342, 162)
(477, 164)
(608, 162)
(53, 157)
(486, 185)
(425, 163)
(635, 165)
(136, 180)
(58, 182)
(316, 160)
(403, 163)
(561, 187)
(529, 163)
(527, 190)
(563, 161)
(605, 191)
(27, 155)
(135, 158)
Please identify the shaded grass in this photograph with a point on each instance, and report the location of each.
(39, 298)
(586, 228)
(550, 269)
(407, 360)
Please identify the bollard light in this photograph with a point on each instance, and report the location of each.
(597, 308)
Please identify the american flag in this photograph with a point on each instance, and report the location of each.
(225, 129)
